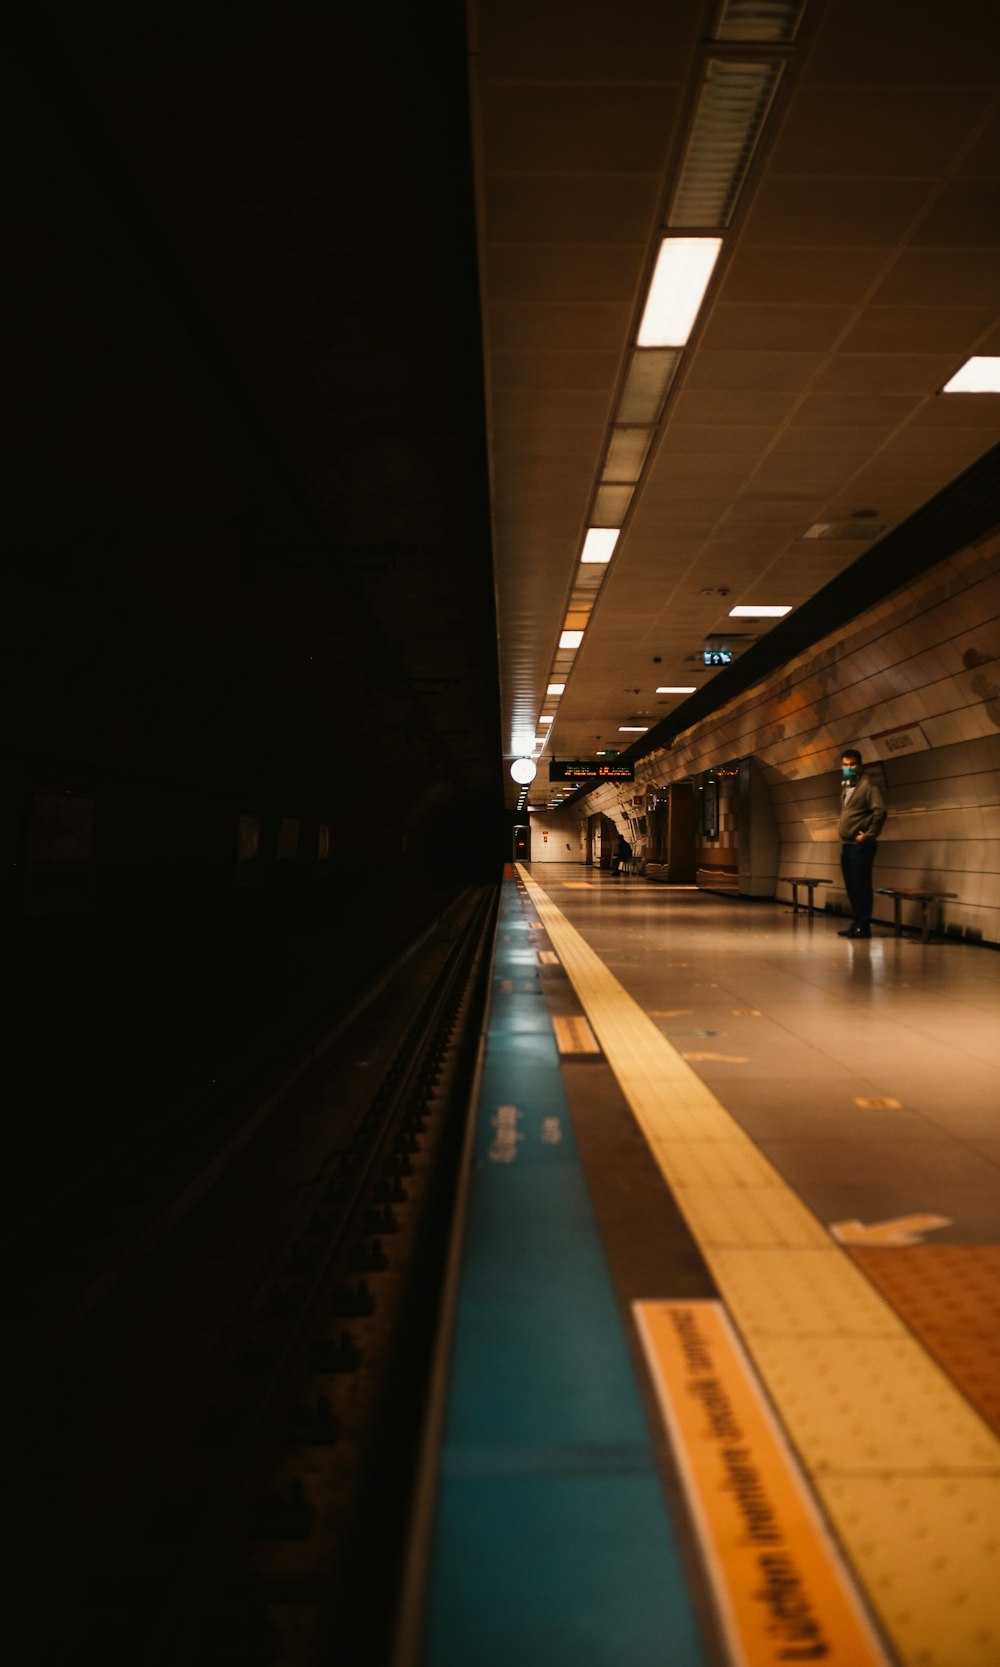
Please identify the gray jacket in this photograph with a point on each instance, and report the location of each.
(864, 812)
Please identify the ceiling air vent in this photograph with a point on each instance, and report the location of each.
(732, 109)
(864, 531)
(759, 20)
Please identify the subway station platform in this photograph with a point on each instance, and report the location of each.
(725, 1372)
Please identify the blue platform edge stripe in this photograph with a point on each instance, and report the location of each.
(552, 1542)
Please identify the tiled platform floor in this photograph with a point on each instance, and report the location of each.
(788, 1082)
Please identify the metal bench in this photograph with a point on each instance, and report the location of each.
(905, 894)
(810, 881)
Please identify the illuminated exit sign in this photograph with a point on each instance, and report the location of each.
(717, 656)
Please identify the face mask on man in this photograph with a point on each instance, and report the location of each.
(849, 772)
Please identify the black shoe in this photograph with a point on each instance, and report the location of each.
(848, 932)
(857, 932)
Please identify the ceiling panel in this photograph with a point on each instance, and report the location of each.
(571, 39)
(857, 410)
(778, 328)
(550, 408)
(880, 373)
(553, 370)
(983, 157)
(554, 128)
(895, 329)
(939, 277)
(878, 130)
(708, 406)
(803, 277)
(856, 273)
(859, 44)
(532, 441)
(557, 274)
(553, 327)
(739, 371)
(565, 208)
(812, 209)
(967, 213)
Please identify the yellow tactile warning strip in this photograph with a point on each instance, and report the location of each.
(783, 1592)
(574, 1035)
(907, 1471)
(950, 1296)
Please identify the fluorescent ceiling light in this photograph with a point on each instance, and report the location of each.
(611, 505)
(753, 610)
(732, 109)
(571, 639)
(977, 376)
(678, 689)
(650, 374)
(759, 20)
(680, 279)
(599, 543)
(556, 689)
(546, 720)
(632, 729)
(627, 453)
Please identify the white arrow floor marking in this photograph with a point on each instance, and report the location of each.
(900, 1230)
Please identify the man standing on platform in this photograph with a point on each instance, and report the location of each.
(862, 813)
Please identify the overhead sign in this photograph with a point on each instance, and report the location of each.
(590, 770)
(717, 656)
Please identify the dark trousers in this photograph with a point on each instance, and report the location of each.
(856, 862)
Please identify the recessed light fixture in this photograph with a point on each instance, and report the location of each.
(755, 610)
(546, 720)
(556, 689)
(861, 529)
(980, 375)
(748, 20)
(650, 374)
(599, 544)
(632, 729)
(678, 689)
(571, 639)
(680, 279)
(732, 109)
(627, 452)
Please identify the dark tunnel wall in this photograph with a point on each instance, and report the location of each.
(250, 732)
(247, 528)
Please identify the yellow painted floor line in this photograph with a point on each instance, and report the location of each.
(907, 1471)
(574, 1035)
(783, 1591)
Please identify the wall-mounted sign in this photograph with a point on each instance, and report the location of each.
(886, 743)
(590, 770)
(717, 656)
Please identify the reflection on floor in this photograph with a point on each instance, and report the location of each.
(795, 1090)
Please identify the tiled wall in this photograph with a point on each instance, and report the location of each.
(915, 684)
(557, 836)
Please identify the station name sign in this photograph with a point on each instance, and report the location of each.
(590, 770)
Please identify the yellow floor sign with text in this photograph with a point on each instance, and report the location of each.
(783, 1590)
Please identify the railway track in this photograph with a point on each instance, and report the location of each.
(273, 1492)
